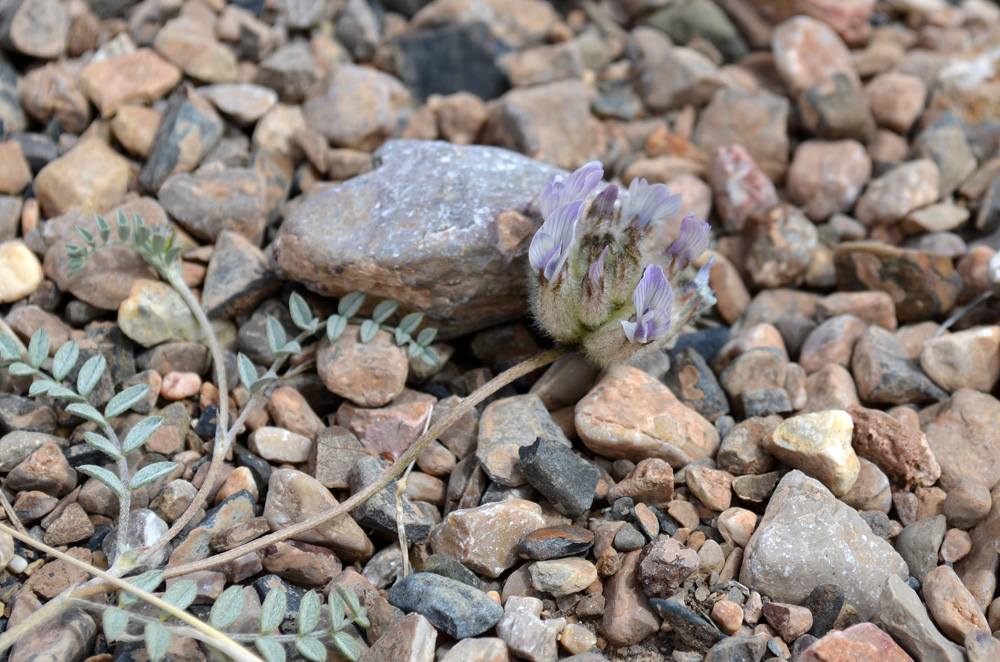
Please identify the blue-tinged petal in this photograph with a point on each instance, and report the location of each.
(541, 245)
(648, 203)
(630, 328)
(604, 203)
(553, 262)
(582, 181)
(596, 272)
(652, 291)
(692, 240)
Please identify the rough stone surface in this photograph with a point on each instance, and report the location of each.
(508, 425)
(632, 416)
(807, 538)
(963, 432)
(469, 243)
(451, 606)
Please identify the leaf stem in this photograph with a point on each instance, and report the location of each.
(397, 467)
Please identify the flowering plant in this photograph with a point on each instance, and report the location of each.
(590, 283)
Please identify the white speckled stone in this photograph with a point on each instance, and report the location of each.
(808, 537)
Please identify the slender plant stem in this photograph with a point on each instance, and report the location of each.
(125, 502)
(397, 467)
(11, 514)
(217, 639)
(222, 436)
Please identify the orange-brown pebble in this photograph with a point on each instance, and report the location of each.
(728, 616)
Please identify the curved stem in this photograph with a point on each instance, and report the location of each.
(218, 639)
(397, 467)
(222, 436)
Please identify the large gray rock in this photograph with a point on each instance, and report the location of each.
(430, 213)
(808, 537)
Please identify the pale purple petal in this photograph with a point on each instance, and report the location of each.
(648, 203)
(653, 291)
(550, 246)
(692, 240)
(596, 273)
(577, 186)
(604, 203)
(653, 326)
(630, 328)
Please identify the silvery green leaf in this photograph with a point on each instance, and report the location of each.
(338, 619)
(410, 323)
(311, 649)
(426, 337)
(140, 233)
(414, 350)
(308, 616)
(101, 443)
(103, 228)
(64, 393)
(159, 243)
(347, 646)
(350, 304)
(121, 225)
(272, 612)
(430, 357)
(87, 235)
(270, 649)
(384, 310)
(38, 348)
(8, 348)
(86, 412)
(114, 621)
(151, 472)
(335, 327)
(368, 330)
(359, 613)
(181, 594)
(18, 369)
(170, 256)
(140, 432)
(401, 336)
(147, 581)
(64, 360)
(291, 347)
(105, 476)
(227, 608)
(246, 369)
(157, 640)
(90, 373)
(40, 387)
(124, 401)
(301, 313)
(276, 338)
(258, 386)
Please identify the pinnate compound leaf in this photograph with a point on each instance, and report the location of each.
(276, 338)
(308, 616)
(8, 348)
(272, 612)
(368, 330)
(18, 369)
(384, 310)
(86, 412)
(105, 476)
(247, 370)
(347, 646)
(101, 443)
(358, 612)
(157, 640)
(270, 649)
(38, 348)
(140, 432)
(65, 359)
(115, 621)
(147, 581)
(350, 304)
(227, 608)
(338, 619)
(90, 373)
(311, 649)
(125, 400)
(335, 327)
(301, 313)
(181, 594)
(151, 472)
(410, 323)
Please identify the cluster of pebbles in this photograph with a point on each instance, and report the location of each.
(808, 475)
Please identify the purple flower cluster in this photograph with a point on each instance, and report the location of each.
(588, 267)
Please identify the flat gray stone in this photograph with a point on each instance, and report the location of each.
(905, 617)
(430, 212)
(808, 537)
